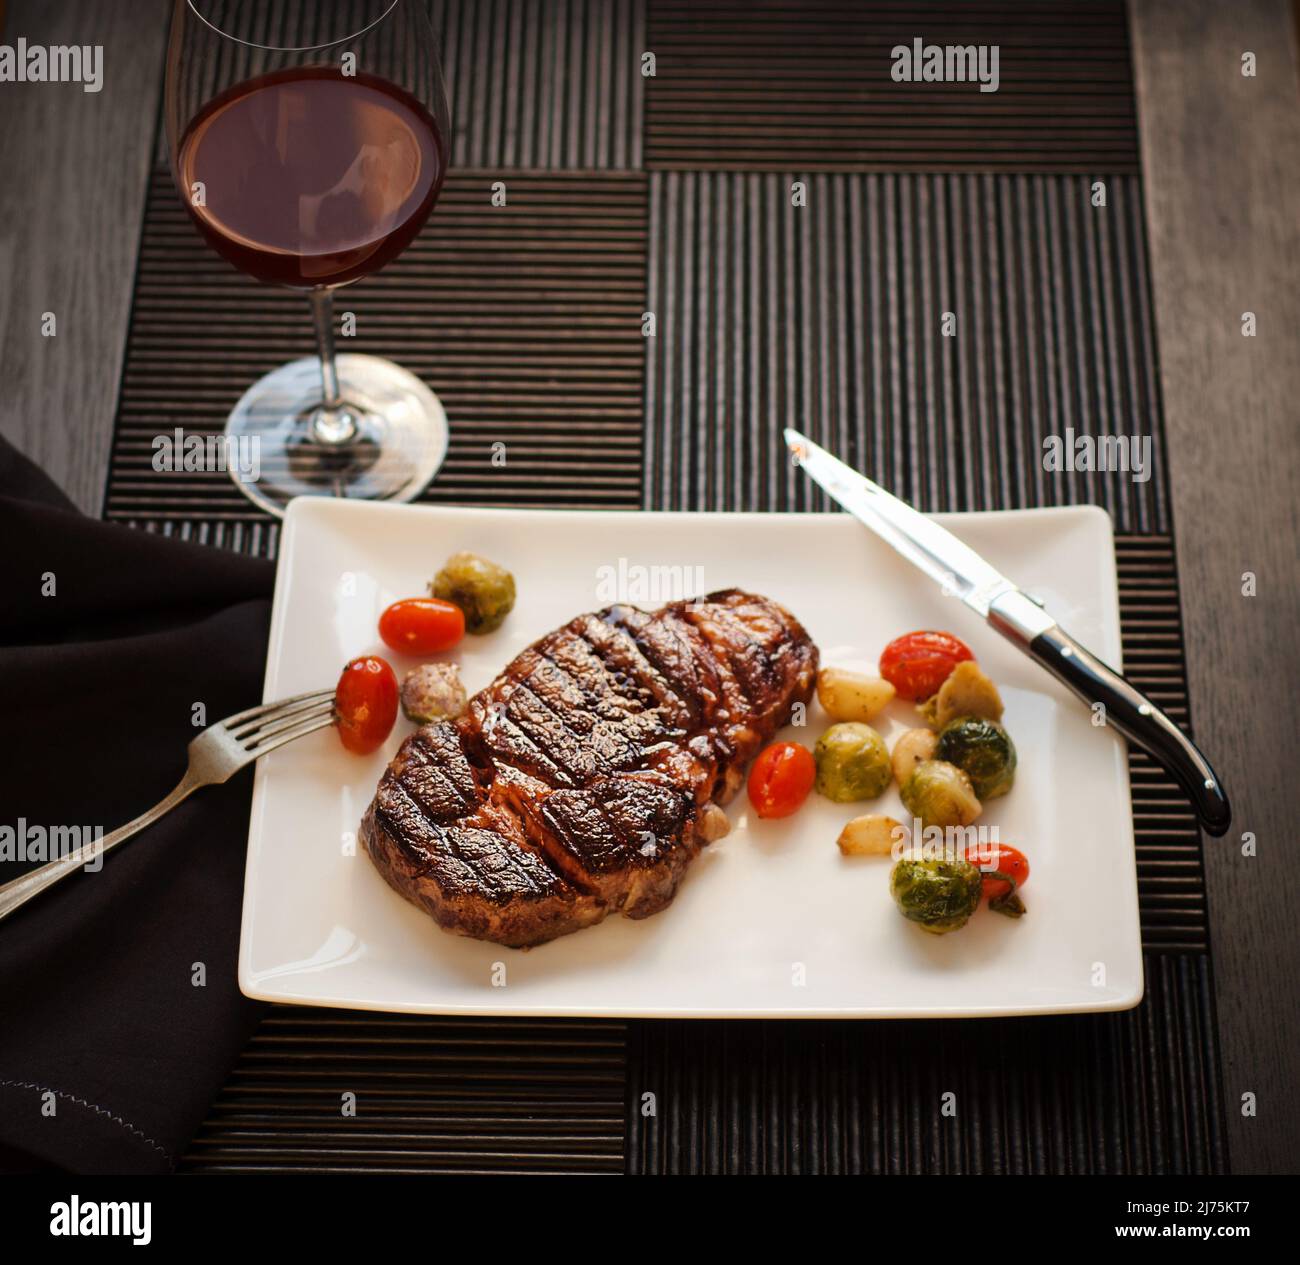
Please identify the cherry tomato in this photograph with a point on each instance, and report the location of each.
(421, 625)
(918, 663)
(781, 778)
(1002, 858)
(365, 704)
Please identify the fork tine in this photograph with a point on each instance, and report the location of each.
(250, 730)
(270, 742)
(245, 722)
(279, 723)
(262, 708)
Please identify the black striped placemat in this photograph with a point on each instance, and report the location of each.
(430, 1095)
(1136, 1092)
(763, 85)
(555, 83)
(932, 330)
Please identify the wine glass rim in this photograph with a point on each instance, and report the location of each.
(305, 48)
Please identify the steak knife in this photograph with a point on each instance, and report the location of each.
(1021, 620)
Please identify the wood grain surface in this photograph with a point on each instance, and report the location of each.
(1221, 160)
(76, 167)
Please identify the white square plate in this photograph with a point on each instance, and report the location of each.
(771, 920)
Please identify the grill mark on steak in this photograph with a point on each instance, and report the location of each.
(733, 674)
(588, 701)
(467, 857)
(626, 838)
(580, 755)
(577, 782)
(500, 739)
(615, 646)
(756, 672)
(666, 643)
(693, 758)
(442, 790)
(644, 811)
(480, 876)
(609, 690)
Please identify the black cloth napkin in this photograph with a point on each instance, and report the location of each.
(120, 1015)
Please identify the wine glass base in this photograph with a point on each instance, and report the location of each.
(399, 439)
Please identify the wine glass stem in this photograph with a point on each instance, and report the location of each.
(332, 422)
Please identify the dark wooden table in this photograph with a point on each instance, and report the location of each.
(1221, 180)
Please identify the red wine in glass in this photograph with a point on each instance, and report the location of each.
(307, 178)
(309, 143)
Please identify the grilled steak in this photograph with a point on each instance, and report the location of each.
(587, 776)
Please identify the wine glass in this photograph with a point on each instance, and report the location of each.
(309, 143)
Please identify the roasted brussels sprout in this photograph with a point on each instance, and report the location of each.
(433, 692)
(852, 763)
(983, 750)
(940, 794)
(938, 896)
(482, 589)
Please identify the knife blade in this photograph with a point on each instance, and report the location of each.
(1021, 620)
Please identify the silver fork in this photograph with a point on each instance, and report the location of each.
(218, 753)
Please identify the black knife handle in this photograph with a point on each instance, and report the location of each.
(1139, 720)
